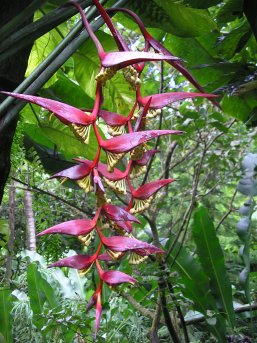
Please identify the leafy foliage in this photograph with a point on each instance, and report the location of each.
(202, 264)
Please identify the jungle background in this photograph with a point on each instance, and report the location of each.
(205, 221)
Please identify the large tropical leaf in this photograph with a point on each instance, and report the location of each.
(40, 293)
(211, 257)
(201, 3)
(201, 59)
(5, 320)
(60, 138)
(65, 90)
(174, 18)
(197, 288)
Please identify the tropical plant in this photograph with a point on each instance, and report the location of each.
(191, 277)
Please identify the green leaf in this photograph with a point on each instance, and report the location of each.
(201, 59)
(230, 11)
(173, 17)
(229, 44)
(5, 320)
(212, 260)
(67, 91)
(60, 138)
(197, 288)
(40, 293)
(43, 46)
(201, 3)
(239, 107)
(51, 160)
(4, 232)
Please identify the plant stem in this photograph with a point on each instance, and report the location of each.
(165, 311)
(31, 32)
(19, 19)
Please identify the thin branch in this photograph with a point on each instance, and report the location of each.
(144, 311)
(171, 151)
(229, 210)
(155, 323)
(165, 311)
(189, 153)
(187, 215)
(240, 309)
(180, 314)
(190, 208)
(36, 189)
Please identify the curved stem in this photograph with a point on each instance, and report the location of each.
(122, 46)
(91, 33)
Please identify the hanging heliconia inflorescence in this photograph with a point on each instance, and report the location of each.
(130, 135)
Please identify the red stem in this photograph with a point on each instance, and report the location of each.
(91, 33)
(122, 46)
(135, 17)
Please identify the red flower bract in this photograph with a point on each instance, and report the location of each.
(150, 188)
(118, 214)
(76, 262)
(121, 243)
(122, 59)
(65, 113)
(75, 227)
(129, 141)
(114, 277)
(164, 99)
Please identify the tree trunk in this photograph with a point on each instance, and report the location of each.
(12, 204)
(30, 222)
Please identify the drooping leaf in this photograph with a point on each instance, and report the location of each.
(60, 138)
(250, 10)
(51, 160)
(231, 10)
(201, 3)
(66, 90)
(212, 260)
(240, 107)
(202, 61)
